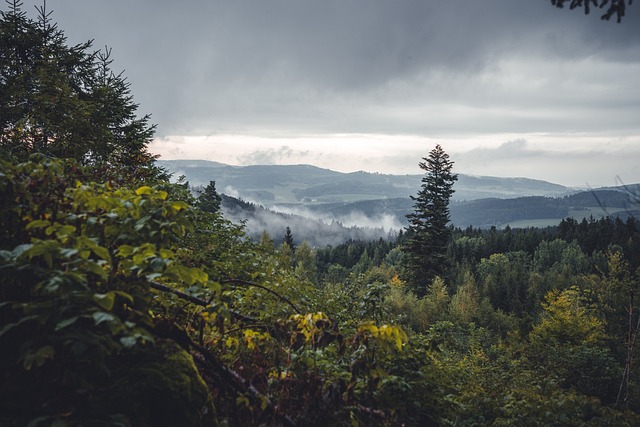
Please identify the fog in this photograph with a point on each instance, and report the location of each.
(305, 225)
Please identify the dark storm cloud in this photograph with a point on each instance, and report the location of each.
(340, 65)
(373, 84)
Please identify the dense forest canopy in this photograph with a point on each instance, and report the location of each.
(127, 301)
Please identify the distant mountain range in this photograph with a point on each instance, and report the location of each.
(276, 184)
(329, 205)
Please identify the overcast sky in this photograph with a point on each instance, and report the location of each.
(507, 87)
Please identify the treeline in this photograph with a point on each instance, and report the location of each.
(468, 246)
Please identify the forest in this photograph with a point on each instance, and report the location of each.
(127, 299)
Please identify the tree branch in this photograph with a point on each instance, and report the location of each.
(195, 300)
(247, 283)
(230, 378)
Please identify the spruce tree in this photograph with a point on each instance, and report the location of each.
(428, 231)
(288, 239)
(209, 200)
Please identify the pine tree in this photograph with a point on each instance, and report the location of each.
(209, 200)
(428, 231)
(288, 239)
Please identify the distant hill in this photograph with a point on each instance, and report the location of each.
(532, 211)
(329, 207)
(307, 185)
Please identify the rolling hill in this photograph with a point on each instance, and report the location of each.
(305, 184)
(327, 207)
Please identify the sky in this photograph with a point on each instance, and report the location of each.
(513, 88)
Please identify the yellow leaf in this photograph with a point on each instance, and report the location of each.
(145, 189)
(179, 205)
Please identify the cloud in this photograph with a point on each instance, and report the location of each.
(273, 156)
(334, 66)
(517, 148)
(522, 81)
(355, 218)
(558, 159)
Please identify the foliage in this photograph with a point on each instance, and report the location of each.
(102, 283)
(570, 343)
(75, 295)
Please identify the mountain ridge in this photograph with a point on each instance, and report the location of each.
(307, 184)
(328, 207)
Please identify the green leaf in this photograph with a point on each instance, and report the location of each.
(124, 295)
(215, 286)
(38, 357)
(125, 250)
(68, 252)
(129, 341)
(166, 253)
(101, 316)
(178, 206)
(21, 249)
(66, 322)
(10, 326)
(96, 269)
(186, 274)
(141, 223)
(100, 251)
(105, 300)
(45, 249)
(38, 223)
(60, 230)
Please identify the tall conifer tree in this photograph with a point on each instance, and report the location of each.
(428, 231)
(64, 101)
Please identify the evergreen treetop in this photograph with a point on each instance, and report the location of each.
(209, 200)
